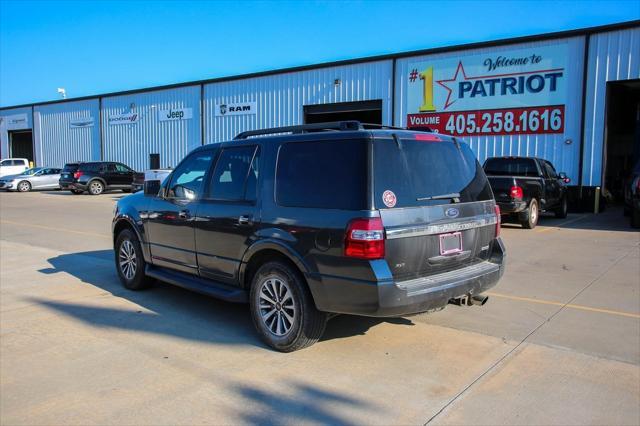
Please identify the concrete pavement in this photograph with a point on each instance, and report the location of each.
(557, 343)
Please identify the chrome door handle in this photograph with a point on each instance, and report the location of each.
(244, 220)
(184, 214)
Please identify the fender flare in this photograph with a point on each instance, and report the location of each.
(132, 224)
(271, 244)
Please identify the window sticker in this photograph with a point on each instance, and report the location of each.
(389, 198)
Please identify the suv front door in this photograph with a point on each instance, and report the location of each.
(228, 215)
(171, 214)
(552, 184)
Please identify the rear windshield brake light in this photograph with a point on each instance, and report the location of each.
(427, 137)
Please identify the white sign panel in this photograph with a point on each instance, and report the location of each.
(77, 123)
(175, 114)
(128, 118)
(238, 108)
(511, 92)
(16, 121)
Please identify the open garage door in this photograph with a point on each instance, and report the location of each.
(622, 136)
(21, 144)
(363, 111)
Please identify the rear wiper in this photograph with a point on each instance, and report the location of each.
(454, 196)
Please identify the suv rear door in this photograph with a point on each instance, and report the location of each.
(435, 202)
(228, 214)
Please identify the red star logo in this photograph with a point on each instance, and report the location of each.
(442, 83)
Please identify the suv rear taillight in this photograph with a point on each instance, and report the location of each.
(365, 239)
(498, 220)
(77, 174)
(516, 192)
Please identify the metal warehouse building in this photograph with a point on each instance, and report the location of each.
(570, 97)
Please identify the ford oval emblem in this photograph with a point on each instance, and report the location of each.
(452, 212)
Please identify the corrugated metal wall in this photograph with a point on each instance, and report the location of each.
(280, 98)
(59, 141)
(4, 129)
(612, 56)
(132, 143)
(550, 146)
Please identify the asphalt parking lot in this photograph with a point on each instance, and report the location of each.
(557, 343)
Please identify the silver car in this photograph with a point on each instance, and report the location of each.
(35, 178)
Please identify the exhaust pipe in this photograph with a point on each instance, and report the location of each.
(479, 300)
(469, 300)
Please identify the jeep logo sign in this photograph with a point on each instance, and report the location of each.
(240, 108)
(175, 114)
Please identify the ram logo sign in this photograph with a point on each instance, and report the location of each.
(77, 123)
(240, 108)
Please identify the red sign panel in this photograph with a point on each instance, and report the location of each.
(506, 121)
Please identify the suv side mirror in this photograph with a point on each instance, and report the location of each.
(564, 177)
(151, 187)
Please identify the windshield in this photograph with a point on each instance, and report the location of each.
(70, 167)
(30, 172)
(419, 173)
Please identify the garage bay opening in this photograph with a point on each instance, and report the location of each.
(622, 138)
(21, 144)
(363, 111)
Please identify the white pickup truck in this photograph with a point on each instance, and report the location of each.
(13, 166)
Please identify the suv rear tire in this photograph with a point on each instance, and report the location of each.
(283, 310)
(561, 211)
(529, 218)
(96, 187)
(130, 262)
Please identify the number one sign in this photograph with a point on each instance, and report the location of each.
(427, 97)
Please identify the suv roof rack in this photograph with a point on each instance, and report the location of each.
(321, 127)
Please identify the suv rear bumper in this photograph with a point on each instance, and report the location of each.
(512, 206)
(399, 298)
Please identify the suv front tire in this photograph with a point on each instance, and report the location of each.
(283, 310)
(130, 262)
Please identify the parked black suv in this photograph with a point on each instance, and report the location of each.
(97, 177)
(382, 222)
(526, 186)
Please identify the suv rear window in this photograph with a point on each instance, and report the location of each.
(323, 174)
(511, 167)
(70, 167)
(417, 170)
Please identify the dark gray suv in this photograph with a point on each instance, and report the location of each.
(330, 218)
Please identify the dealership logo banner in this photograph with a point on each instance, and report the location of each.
(175, 114)
(242, 108)
(16, 121)
(128, 118)
(77, 123)
(510, 92)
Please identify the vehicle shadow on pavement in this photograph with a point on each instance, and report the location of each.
(170, 310)
(302, 403)
(612, 219)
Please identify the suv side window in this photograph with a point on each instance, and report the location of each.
(186, 179)
(551, 172)
(236, 174)
(122, 168)
(322, 174)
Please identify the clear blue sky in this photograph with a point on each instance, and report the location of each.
(95, 47)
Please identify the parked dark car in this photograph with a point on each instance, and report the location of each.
(632, 196)
(526, 186)
(371, 222)
(97, 177)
